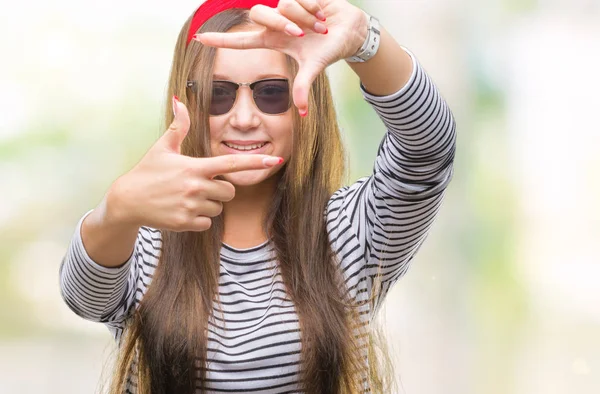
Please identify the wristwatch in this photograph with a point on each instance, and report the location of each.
(371, 44)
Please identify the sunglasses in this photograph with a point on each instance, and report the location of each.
(271, 96)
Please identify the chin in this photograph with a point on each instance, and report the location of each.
(249, 178)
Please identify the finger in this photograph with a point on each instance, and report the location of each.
(219, 190)
(301, 14)
(313, 7)
(284, 18)
(199, 223)
(236, 40)
(178, 129)
(209, 208)
(304, 79)
(226, 164)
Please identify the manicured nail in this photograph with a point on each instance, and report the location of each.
(303, 112)
(320, 28)
(195, 37)
(272, 161)
(320, 15)
(294, 30)
(175, 100)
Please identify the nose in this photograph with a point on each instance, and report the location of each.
(245, 114)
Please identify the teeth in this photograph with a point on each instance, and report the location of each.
(245, 147)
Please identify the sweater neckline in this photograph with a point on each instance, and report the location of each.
(250, 253)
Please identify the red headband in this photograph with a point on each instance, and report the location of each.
(210, 8)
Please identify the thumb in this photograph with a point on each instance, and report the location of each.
(302, 84)
(179, 128)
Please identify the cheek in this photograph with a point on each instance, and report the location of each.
(214, 128)
(285, 135)
(215, 134)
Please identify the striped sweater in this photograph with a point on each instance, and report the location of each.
(375, 226)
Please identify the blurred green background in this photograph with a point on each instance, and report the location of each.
(502, 299)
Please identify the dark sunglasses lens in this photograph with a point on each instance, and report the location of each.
(223, 97)
(272, 97)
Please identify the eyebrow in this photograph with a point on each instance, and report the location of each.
(261, 76)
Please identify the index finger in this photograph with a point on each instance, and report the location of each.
(225, 164)
(233, 40)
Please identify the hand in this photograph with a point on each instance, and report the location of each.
(347, 28)
(167, 190)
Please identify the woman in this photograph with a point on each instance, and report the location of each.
(230, 258)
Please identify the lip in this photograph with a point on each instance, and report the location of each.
(245, 142)
(262, 150)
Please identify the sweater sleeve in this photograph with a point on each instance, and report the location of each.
(95, 292)
(377, 224)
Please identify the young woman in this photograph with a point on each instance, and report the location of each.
(230, 258)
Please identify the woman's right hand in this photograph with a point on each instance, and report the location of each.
(167, 190)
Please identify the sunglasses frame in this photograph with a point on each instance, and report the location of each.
(193, 86)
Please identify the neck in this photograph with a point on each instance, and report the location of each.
(245, 216)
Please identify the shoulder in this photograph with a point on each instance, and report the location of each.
(345, 196)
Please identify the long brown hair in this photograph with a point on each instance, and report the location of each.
(165, 343)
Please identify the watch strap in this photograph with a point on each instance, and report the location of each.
(371, 44)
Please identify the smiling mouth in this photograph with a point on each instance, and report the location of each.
(245, 147)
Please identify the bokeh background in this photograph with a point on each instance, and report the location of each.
(504, 298)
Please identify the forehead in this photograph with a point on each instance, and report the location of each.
(245, 65)
(249, 64)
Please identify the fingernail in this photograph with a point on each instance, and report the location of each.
(320, 15)
(294, 30)
(175, 100)
(303, 112)
(320, 28)
(195, 37)
(272, 161)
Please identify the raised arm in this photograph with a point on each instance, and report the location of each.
(391, 212)
(389, 70)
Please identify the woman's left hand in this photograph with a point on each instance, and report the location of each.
(344, 33)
